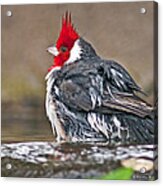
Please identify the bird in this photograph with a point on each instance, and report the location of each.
(91, 99)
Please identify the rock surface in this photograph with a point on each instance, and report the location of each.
(72, 160)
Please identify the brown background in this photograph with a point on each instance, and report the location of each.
(116, 30)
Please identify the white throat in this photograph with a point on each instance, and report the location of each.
(75, 53)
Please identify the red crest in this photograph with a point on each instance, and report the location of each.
(68, 34)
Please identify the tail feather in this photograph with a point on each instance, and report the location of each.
(138, 135)
(140, 130)
(149, 124)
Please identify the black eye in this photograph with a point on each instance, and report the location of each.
(63, 49)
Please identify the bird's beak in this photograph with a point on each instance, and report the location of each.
(52, 50)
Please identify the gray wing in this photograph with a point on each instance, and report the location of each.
(119, 79)
(89, 88)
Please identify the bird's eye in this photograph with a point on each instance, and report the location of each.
(63, 49)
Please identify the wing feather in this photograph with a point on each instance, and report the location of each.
(100, 86)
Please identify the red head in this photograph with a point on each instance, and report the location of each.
(65, 42)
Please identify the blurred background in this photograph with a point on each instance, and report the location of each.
(116, 30)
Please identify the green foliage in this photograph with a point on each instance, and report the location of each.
(119, 174)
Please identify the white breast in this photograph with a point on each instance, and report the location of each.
(48, 102)
(51, 108)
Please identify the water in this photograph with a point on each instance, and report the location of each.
(23, 122)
